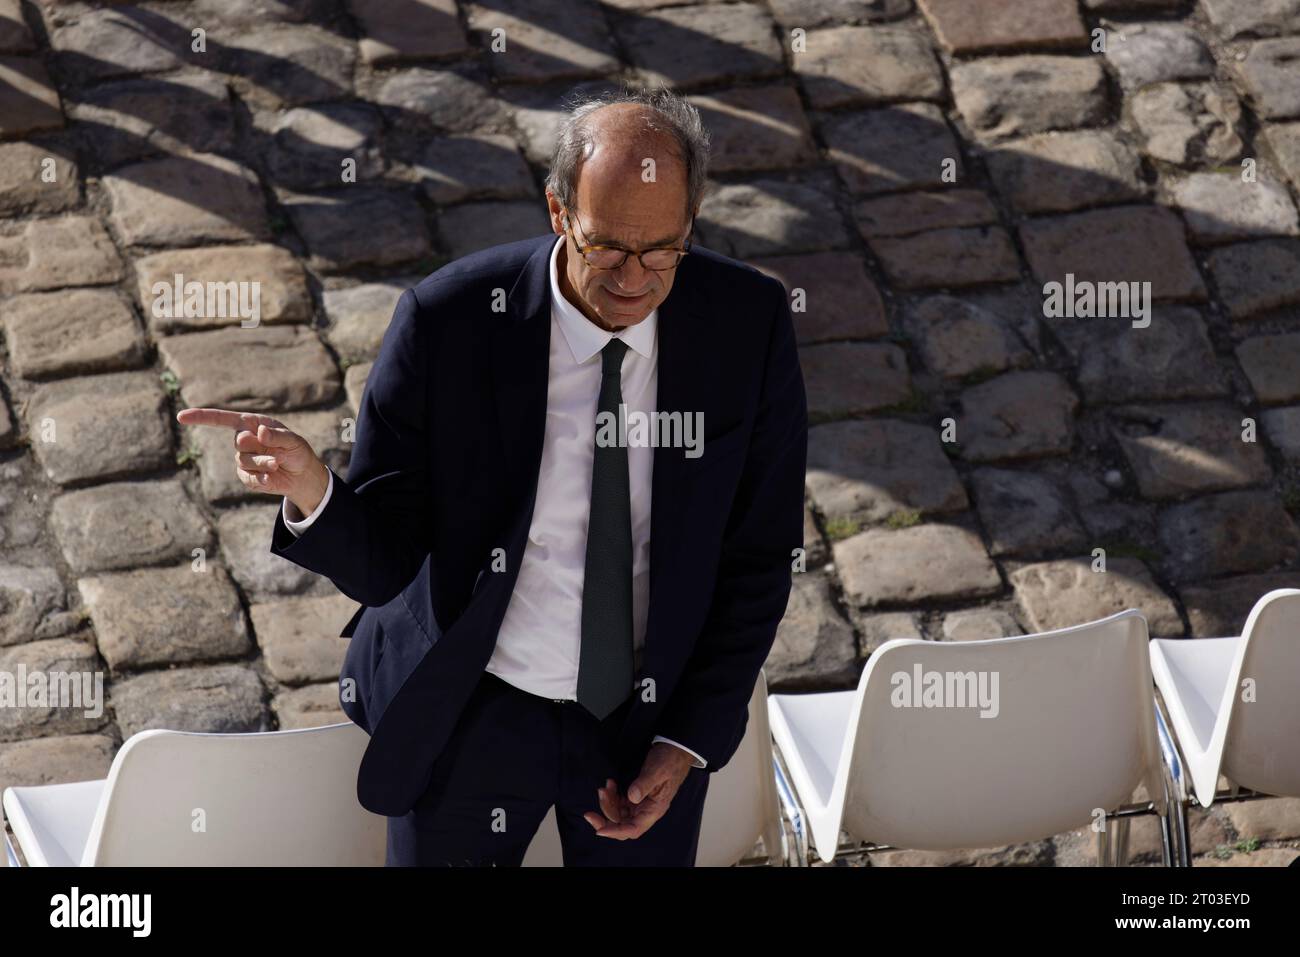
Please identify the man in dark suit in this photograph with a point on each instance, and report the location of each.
(570, 515)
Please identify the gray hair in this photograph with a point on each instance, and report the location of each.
(666, 115)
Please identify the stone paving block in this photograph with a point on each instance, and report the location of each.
(124, 525)
(37, 178)
(1221, 208)
(273, 66)
(71, 703)
(29, 598)
(1255, 278)
(1146, 53)
(267, 369)
(899, 147)
(756, 128)
(957, 338)
(1284, 140)
(247, 13)
(15, 35)
(857, 66)
(810, 14)
(72, 332)
(219, 699)
(169, 615)
(981, 26)
(1189, 124)
(57, 760)
(448, 100)
(1272, 365)
(1025, 514)
(300, 639)
(1172, 358)
(129, 119)
(1219, 608)
(869, 470)
(311, 706)
(53, 253)
(979, 624)
(948, 258)
(359, 315)
(814, 647)
(1015, 416)
(29, 102)
(1065, 171)
(1014, 96)
(847, 378)
(831, 296)
(686, 47)
(487, 166)
(307, 147)
(1282, 426)
(914, 566)
(904, 214)
(1066, 592)
(99, 44)
(100, 427)
(544, 39)
(1227, 534)
(354, 383)
(246, 546)
(1121, 244)
(1271, 74)
(1178, 450)
(470, 227)
(269, 287)
(1258, 18)
(1277, 819)
(185, 200)
(817, 553)
(393, 30)
(771, 217)
(876, 629)
(328, 225)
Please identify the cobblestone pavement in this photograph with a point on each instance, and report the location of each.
(915, 172)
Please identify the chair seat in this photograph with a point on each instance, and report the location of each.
(1192, 675)
(813, 728)
(810, 731)
(52, 822)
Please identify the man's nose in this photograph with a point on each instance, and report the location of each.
(631, 275)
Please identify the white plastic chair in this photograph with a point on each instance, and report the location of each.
(1073, 736)
(264, 799)
(1255, 744)
(740, 806)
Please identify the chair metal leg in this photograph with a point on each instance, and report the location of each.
(794, 824)
(10, 857)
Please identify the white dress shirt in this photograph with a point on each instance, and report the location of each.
(540, 640)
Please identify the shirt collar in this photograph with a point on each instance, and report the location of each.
(584, 337)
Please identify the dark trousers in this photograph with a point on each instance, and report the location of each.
(511, 757)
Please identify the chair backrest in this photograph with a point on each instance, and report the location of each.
(264, 799)
(1070, 733)
(740, 806)
(1262, 738)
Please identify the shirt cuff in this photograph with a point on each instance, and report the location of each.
(301, 525)
(699, 761)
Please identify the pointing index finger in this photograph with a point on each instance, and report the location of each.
(221, 418)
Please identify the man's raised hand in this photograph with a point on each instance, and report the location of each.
(269, 457)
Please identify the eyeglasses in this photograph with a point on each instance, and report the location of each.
(659, 259)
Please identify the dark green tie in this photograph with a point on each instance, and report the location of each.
(605, 667)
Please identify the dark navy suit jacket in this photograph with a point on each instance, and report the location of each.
(444, 472)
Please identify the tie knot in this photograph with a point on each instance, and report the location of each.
(611, 357)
